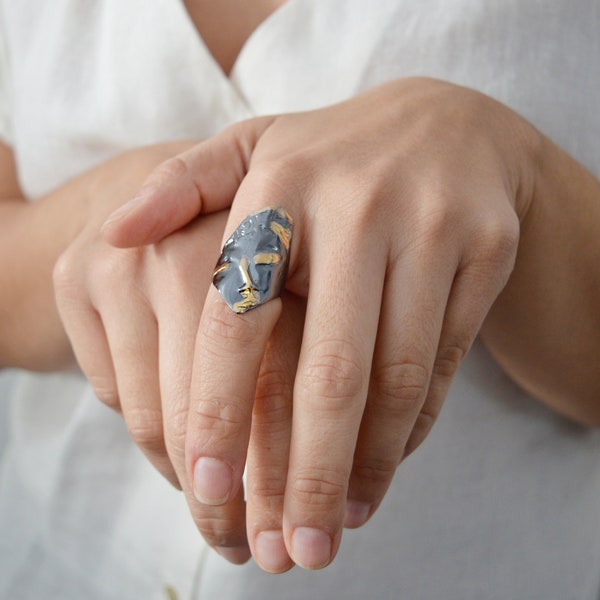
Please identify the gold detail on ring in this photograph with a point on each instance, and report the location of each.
(283, 233)
(221, 269)
(249, 294)
(253, 265)
(267, 258)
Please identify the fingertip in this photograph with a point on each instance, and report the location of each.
(311, 548)
(174, 481)
(213, 481)
(159, 209)
(128, 225)
(270, 552)
(237, 555)
(357, 514)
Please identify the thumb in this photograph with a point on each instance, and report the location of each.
(202, 179)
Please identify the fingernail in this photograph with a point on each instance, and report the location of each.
(311, 548)
(212, 481)
(128, 207)
(270, 552)
(237, 555)
(357, 513)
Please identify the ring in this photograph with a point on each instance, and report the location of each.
(254, 262)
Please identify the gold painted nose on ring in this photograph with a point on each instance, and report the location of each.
(250, 294)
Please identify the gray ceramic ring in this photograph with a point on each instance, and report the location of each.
(254, 262)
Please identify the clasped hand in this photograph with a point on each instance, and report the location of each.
(406, 204)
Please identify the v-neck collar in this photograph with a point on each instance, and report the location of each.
(252, 39)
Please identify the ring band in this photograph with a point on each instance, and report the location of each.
(254, 262)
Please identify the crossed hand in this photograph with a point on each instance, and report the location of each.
(405, 203)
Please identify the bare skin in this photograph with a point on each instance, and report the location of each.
(460, 212)
(226, 25)
(392, 385)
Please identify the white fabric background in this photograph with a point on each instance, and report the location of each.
(501, 502)
(6, 383)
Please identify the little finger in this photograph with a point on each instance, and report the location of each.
(414, 303)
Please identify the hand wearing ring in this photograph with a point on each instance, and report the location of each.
(405, 203)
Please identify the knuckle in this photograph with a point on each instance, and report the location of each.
(219, 417)
(283, 176)
(106, 391)
(146, 429)
(320, 489)
(426, 419)
(272, 413)
(493, 253)
(334, 373)
(268, 485)
(401, 386)
(223, 327)
(375, 471)
(273, 389)
(288, 168)
(110, 276)
(92, 274)
(63, 273)
(113, 265)
(175, 449)
(421, 429)
(172, 167)
(448, 359)
(435, 221)
(174, 431)
(499, 239)
(434, 218)
(219, 531)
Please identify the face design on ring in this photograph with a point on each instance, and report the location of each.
(253, 265)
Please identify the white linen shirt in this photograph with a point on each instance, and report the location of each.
(502, 501)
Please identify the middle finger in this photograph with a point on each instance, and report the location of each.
(331, 387)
